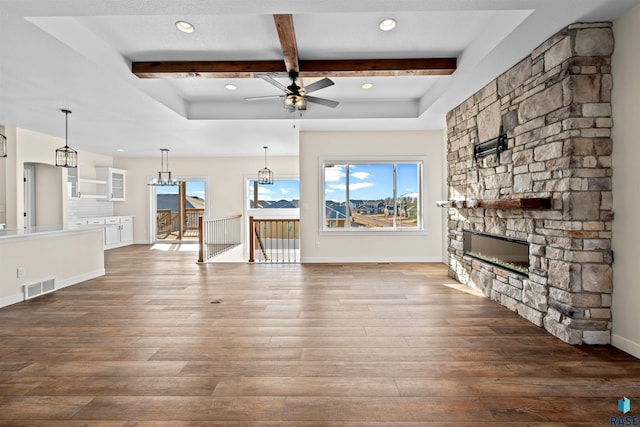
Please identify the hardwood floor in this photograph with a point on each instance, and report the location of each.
(292, 345)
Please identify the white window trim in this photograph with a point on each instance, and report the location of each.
(422, 231)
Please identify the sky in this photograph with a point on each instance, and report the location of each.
(370, 181)
(280, 189)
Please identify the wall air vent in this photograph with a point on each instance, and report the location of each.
(39, 288)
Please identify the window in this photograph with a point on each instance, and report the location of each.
(372, 195)
(282, 194)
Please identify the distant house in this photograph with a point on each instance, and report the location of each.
(279, 204)
(367, 207)
(171, 202)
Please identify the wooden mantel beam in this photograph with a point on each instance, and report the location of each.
(313, 68)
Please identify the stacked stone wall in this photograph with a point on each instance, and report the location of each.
(555, 106)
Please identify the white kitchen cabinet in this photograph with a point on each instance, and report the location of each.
(83, 188)
(111, 232)
(118, 230)
(126, 229)
(114, 183)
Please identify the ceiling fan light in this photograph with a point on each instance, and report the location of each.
(387, 24)
(185, 27)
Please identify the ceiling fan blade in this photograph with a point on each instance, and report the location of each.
(320, 84)
(269, 79)
(257, 98)
(322, 101)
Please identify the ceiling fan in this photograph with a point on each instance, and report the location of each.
(296, 97)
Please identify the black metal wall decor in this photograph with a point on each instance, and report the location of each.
(495, 145)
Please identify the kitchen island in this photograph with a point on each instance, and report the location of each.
(53, 257)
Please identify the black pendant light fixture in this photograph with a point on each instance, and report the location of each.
(3, 145)
(164, 174)
(66, 156)
(265, 176)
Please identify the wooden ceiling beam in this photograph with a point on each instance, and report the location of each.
(378, 67)
(314, 68)
(205, 69)
(287, 36)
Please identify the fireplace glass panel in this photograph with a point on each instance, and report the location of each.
(507, 253)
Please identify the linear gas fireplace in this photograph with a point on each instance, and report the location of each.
(504, 252)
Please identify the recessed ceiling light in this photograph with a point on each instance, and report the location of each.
(185, 27)
(230, 87)
(119, 150)
(387, 24)
(367, 85)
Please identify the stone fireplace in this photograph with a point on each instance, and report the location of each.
(508, 254)
(554, 107)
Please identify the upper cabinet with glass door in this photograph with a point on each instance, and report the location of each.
(115, 179)
(83, 188)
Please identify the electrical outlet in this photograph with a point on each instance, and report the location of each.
(20, 272)
(318, 244)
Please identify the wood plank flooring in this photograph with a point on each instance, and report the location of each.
(292, 345)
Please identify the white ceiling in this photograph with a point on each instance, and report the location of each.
(77, 54)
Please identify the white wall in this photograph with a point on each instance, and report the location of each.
(317, 247)
(70, 258)
(49, 194)
(225, 187)
(626, 175)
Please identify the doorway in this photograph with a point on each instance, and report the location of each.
(42, 186)
(29, 195)
(178, 209)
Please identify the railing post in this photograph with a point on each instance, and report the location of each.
(200, 240)
(251, 240)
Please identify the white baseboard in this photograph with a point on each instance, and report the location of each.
(349, 260)
(626, 345)
(11, 299)
(80, 278)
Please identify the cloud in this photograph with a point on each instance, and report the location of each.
(263, 191)
(361, 175)
(360, 185)
(284, 190)
(335, 173)
(352, 187)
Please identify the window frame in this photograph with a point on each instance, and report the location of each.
(421, 161)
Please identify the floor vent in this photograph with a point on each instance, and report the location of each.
(40, 288)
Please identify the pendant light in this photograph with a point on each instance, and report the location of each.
(164, 174)
(3, 145)
(265, 176)
(66, 157)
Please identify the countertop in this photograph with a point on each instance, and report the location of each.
(47, 230)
